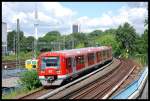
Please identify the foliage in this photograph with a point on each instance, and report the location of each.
(50, 36)
(30, 80)
(141, 59)
(126, 35)
(95, 33)
(110, 31)
(26, 43)
(12, 37)
(21, 91)
(15, 93)
(145, 40)
(108, 40)
(80, 45)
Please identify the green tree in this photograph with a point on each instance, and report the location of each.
(27, 43)
(126, 35)
(108, 40)
(50, 40)
(95, 33)
(13, 35)
(78, 38)
(110, 31)
(50, 36)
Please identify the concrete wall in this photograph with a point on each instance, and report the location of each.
(134, 90)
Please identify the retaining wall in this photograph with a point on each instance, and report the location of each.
(133, 90)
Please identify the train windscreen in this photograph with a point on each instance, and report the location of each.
(50, 62)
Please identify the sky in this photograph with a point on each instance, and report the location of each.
(61, 16)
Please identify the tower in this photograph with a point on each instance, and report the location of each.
(35, 26)
(75, 28)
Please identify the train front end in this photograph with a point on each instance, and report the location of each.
(49, 69)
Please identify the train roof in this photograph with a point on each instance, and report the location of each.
(78, 51)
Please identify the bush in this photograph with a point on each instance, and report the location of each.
(141, 58)
(30, 80)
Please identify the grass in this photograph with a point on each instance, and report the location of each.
(15, 93)
(19, 93)
(141, 59)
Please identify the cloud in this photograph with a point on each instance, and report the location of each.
(22, 17)
(57, 10)
(55, 16)
(50, 14)
(134, 16)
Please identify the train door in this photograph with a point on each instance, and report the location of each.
(98, 56)
(95, 58)
(102, 56)
(69, 65)
(73, 62)
(86, 60)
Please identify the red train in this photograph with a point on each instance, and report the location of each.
(58, 66)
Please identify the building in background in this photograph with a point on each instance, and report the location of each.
(4, 38)
(75, 28)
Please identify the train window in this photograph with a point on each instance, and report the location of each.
(91, 57)
(28, 62)
(107, 53)
(103, 54)
(34, 62)
(80, 60)
(98, 54)
(43, 63)
(69, 62)
(51, 62)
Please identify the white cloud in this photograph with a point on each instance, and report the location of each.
(21, 16)
(106, 20)
(57, 9)
(49, 14)
(134, 16)
(54, 14)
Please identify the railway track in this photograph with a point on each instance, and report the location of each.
(95, 90)
(132, 77)
(99, 88)
(12, 64)
(102, 86)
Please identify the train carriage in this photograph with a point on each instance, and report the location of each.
(31, 64)
(55, 67)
